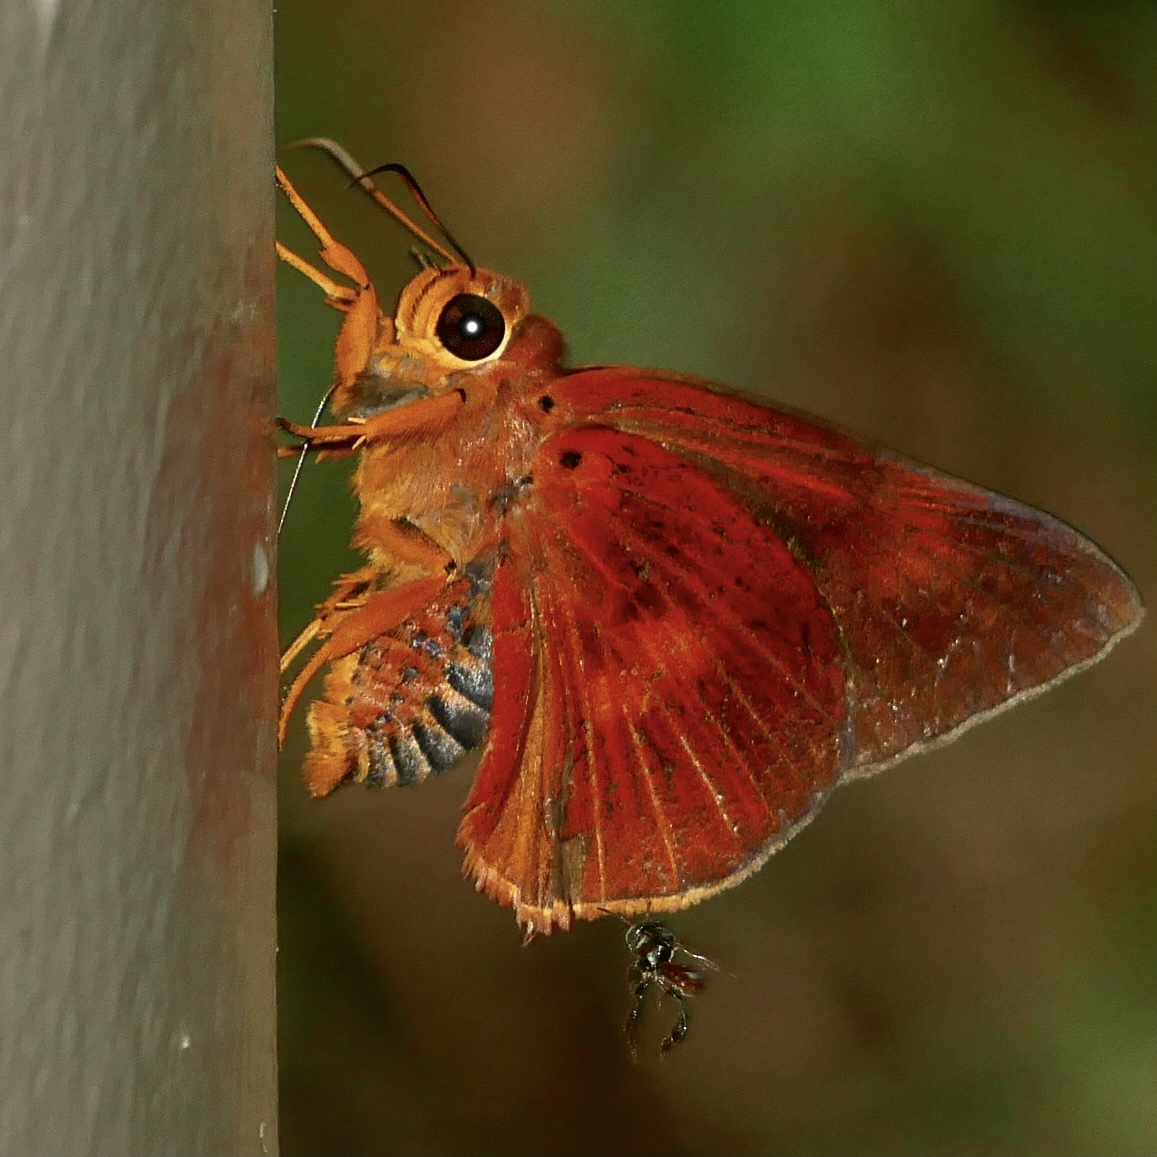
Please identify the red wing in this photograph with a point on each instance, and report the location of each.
(951, 601)
(669, 696)
(710, 614)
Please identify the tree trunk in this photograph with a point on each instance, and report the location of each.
(137, 643)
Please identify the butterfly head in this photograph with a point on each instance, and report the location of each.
(452, 325)
(457, 318)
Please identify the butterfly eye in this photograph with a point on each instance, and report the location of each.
(471, 327)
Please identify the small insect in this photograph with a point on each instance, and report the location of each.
(673, 618)
(662, 961)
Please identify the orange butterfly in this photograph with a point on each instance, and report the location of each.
(674, 618)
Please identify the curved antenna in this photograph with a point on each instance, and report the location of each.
(411, 183)
(365, 181)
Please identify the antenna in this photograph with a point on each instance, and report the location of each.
(364, 179)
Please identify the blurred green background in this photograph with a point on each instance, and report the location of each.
(932, 223)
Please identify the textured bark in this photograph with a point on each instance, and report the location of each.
(137, 642)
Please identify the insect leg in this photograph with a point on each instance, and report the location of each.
(348, 587)
(302, 641)
(639, 992)
(378, 614)
(402, 541)
(348, 433)
(682, 1024)
(424, 416)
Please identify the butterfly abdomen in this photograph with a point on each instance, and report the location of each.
(412, 702)
(452, 721)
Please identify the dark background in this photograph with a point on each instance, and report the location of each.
(933, 224)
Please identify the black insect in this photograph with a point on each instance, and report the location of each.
(662, 961)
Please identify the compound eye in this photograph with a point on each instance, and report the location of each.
(471, 327)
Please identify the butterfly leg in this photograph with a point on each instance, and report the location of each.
(405, 544)
(425, 416)
(379, 613)
(344, 598)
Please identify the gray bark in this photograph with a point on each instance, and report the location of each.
(137, 641)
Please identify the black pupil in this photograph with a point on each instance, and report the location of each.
(471, 327)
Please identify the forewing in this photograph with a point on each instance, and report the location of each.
(951, 601)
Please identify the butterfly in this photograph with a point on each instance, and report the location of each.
(673, 617)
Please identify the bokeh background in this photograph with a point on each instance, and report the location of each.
(932, 223)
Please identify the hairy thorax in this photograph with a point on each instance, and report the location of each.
(454, 491)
